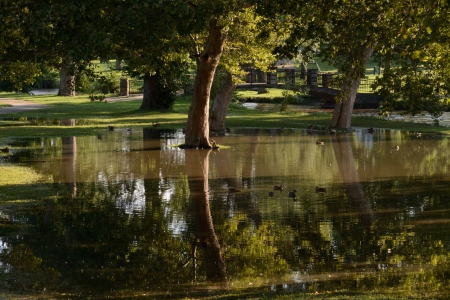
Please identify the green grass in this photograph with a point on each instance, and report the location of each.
(248, 94)
(94, 117)
(4, 105)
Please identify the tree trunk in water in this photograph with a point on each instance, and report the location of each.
(197, 169)
(219, 107)
(150, 86)
(197, 129)
(67, 78)
(342, 115)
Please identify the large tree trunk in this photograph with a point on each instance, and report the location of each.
(221, 103)
(342, 115)
(150, 87)
(67, 78)
(197, 130)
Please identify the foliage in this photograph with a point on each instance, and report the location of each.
(420, 78)
(48, 79)
(20, 74)
(97, 97)
(165, 91)
(89, 80)
(414, 92)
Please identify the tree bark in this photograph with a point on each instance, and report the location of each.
(67, 78)
(149, 100)
(219, 107)
(197, 129)
(388, 62)
(342, 115)
(119, 64)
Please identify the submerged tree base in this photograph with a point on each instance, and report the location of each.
(184, 146)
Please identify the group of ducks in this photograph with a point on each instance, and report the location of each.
(280, 188)
(111, 128)
(293, 194)
(397, 147)
(5, 150)
(327, 129)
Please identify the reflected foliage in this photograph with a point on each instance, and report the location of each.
(133, 223)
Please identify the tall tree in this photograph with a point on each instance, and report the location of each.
(58, 33)
(145, 35)
(218, 17)
(349, 32)
(248, 44)
(420, 79)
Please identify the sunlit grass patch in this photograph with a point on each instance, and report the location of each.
(17, 175)
(4, 105)
(273, 93)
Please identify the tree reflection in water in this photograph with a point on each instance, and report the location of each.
(347, 169)
(197, 169)
(135, 205)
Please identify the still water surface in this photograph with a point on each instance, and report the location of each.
(131, 214)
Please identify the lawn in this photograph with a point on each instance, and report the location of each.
(93, 118)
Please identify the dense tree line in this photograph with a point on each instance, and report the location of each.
(162, 40)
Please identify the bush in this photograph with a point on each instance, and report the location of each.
(49, 79)
(90, 82)
(97, 97)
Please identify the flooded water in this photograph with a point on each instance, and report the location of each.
(44, 92)
(397, 116)
(130, 214)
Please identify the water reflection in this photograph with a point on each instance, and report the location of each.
(347, 169)
(197, 170)
(133, 214)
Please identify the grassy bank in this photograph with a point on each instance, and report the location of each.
(94, 117)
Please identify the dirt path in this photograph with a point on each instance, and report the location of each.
(18, 106)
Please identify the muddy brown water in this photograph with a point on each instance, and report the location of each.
(132, 214)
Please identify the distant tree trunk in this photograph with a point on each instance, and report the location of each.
(388, 62)
(119, 64)
(342, 115)
(67, 78)
(197, 129)
(150, 92)
(219, 107)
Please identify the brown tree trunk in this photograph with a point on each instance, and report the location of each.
(197, 169)
(149, 100)
(119, 64)
(219, 107)
(342, 115)
(197, 129)
(67, 78)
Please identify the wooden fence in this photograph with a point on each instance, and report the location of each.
(278, 78)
